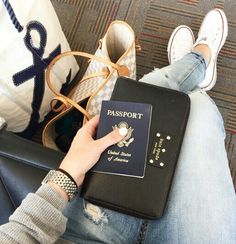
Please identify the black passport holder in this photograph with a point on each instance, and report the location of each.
(146, 197)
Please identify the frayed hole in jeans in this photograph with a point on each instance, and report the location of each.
(94, 213)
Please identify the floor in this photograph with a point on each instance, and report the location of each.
(84, 23)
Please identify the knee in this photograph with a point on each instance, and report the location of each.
(204, 115)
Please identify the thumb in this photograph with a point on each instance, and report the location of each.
(112, 138)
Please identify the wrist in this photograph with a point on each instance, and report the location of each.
(77, 178)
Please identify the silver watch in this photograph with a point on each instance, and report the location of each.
(63, 181)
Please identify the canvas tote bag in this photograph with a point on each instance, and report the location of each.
(31, 36)
(115, 56)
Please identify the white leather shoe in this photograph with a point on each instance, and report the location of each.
(213, 32)
(180, 43)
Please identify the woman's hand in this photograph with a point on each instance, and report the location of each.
(85, 151)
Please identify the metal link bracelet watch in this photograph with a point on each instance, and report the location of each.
(63, 181)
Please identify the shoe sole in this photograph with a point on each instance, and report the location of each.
(223, 38)
(170, 43)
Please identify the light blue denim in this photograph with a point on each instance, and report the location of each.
(201, 207)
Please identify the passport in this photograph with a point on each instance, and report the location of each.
(127, 157)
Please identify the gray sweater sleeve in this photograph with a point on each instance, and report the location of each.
(38, 219)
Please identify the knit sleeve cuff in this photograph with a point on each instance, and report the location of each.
(51, 196)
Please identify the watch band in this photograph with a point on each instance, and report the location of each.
(65, 182)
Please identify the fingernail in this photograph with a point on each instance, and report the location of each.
(123, 131)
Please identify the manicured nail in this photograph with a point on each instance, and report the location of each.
(123, 131)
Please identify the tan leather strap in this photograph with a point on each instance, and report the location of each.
(67, 102)
(105, 73)
(121, 69)
(65, 105)
(63, 99)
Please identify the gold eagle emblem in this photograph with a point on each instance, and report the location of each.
(128, 139)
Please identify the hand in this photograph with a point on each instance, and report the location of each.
(85, 151)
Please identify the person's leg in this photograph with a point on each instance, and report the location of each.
(183, 75)
(202, 203)
(90, 224)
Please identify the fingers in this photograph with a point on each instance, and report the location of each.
(110, 139)
(91, 125)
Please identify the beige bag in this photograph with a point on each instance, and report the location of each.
(116, 56)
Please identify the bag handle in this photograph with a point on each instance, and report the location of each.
(122, 70)
(65, 100)
(68, 103)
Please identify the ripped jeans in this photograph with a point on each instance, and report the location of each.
(201, 208)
